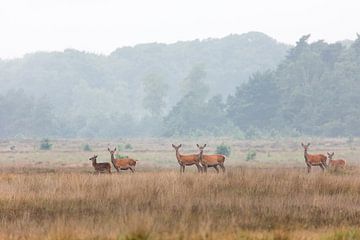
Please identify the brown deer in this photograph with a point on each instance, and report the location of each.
(100, 167)
(187, 160)
(214, 160)
(313, 160)
(122, 163)
(336, 163)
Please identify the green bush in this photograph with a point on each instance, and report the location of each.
(87, 148)
(128, 146)
(120, 156)
(251, 155)
(45, 144)
(223, 149)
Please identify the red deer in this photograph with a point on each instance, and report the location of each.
(313, 160)
(187, 160)
(336, 163)
(100, 167)
(122, 163)
(211, 160)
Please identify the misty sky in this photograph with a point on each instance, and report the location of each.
(100, 26)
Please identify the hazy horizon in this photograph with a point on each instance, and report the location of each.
(101, 27)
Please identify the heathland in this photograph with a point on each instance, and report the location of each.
(53, 194)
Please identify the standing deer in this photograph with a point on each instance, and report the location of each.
(313, 160)
(122, 163)
(336, 163)
(211, 160)
(100, 167)
(187, 160)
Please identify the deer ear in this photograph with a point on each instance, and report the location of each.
(197, 145)
(308, 144)
(302, 144)
(114, 149)
(333, 153)
(109, 149)
(180, 145)
(173, 145)
(205, 145)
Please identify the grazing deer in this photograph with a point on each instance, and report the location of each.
(336, 163)
(211, 160)
(313, 160)
(187, 160)
(100, 167)
(122, 163)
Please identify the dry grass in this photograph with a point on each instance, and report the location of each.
(241, 204)
(54, 195)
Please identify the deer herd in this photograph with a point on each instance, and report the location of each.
(203, 161)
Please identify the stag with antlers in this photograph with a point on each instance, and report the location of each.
(100, 167)
(186, 160)
(122, 163)
(213, 160)
(313, 160)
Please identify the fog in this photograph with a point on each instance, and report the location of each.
(114, 69)
(102, 26)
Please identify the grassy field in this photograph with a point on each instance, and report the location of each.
(54, 195)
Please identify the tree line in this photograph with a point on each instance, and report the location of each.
(313, 90)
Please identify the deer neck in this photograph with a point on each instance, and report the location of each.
(94, 162)
(201, 155)
(305, 155)
(178, 156)
(112, 157)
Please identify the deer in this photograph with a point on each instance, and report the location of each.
(314, 160)
(100, 167)
(214, 160)
(336, 163)
(187, 160)
(122, 163)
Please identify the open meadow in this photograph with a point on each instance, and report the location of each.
(53, 194)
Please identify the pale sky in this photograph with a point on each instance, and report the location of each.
(101, 26)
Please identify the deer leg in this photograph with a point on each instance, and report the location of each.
(322, 167)
(216, 168)
(199, 168)
(222, 167)
(308, 167)
(205, 168)
(131, 169)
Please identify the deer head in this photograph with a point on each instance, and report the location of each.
(305, 146)
(176, 147)
(201, 148)
(112, 151)
(330, 155)
(93, 158)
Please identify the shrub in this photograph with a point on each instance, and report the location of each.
(128, 146)
(45, 144)
(223, 149)
(251, 155)
(120, 156)
(87, 148)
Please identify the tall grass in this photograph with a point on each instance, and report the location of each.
(168, 205)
